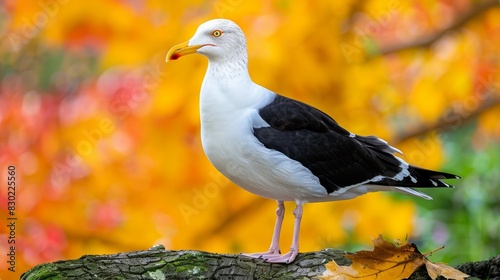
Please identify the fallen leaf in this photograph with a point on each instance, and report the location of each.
(388, 261)
(336, 272)
(440, 269)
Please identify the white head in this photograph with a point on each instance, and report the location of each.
(220, 40)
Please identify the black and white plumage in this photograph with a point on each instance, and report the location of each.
(283, 149)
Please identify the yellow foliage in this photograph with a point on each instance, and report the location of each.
(489, 125)
(106, 136)
(425, 151)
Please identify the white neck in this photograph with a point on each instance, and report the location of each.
(226, 81)
(233, 67)
(228, 90)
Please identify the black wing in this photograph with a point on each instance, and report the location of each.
(337, 157)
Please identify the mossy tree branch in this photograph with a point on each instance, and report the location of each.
(158, 263)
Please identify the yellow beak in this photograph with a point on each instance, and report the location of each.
(180, 50)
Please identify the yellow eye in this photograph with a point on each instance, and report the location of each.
(216, 33)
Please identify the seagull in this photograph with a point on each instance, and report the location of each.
(283, 149)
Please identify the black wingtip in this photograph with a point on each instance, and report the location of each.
(439, 175)
(431, 178)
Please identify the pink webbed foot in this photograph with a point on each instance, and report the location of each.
(264, 255)
(285, 258)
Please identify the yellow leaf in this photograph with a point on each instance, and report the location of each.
(440, 269)
(336, 272)
(386, 261)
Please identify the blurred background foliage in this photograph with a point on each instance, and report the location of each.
(105, 136)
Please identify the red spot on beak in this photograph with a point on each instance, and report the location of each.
(175, 56)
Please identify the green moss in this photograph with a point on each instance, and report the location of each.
(157, 275)
(156, 265)
(47, 271)
(192, 263)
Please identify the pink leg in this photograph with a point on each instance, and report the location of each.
(274, 250)
(294, 249)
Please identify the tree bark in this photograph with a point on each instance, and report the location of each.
(158, 263)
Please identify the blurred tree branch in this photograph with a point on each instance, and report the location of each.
(158, 263)
(426, 41)
(451, 120)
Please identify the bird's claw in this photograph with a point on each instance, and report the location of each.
(264, 255)
(274, 256)
(284, 258)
